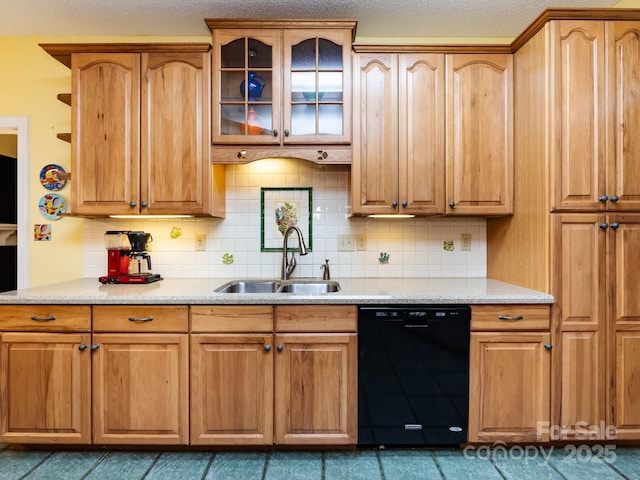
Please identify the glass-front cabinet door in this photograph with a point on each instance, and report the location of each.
(317, 87)
(247, 87)
(281, 86)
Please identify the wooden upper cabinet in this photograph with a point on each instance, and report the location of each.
(141, 129)
(246, 86)
(175, 175)
(479, 134)
(578, 115)
(105, 154)
(398, 149)
(374, 171)
(281, 84)
(623, 174)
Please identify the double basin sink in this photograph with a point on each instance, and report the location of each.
(301, 286)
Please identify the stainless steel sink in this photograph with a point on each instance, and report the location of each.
(309, 286)
(249, 286)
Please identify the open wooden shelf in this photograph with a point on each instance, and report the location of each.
(65, 98)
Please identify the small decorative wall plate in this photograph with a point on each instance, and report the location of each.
(50, 179)
(51, 206)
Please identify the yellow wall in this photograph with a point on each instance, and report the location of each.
(29, 84)
(627, 4)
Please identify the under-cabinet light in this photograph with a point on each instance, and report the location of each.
(391, 215)
(151, 216)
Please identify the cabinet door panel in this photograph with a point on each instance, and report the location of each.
(509, 387)
(578, 259)
(479, 134)
(421, 133)
(105, 154)
(582, 385)
(315, 389)
(623, 177)
(239, 118)
(317, 62)
(175, 170)
(140, 389)
(231, 389)
(625, 276)
(45, 388)
(627, 390)
(374, 171)
(578, 117)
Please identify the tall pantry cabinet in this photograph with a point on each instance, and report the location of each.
(576, 228)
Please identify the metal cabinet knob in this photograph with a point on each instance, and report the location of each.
(95, 347)
(82, 347)
(144, 204)
(452, 204)
(603, 198)
(604, 226)
(286, 133)
(275, 133)
(267, 348)
(394, 204)
(614, 198)
(132, 204)
(615, 225)
(280, 348)
(548, 346)
(404, 204)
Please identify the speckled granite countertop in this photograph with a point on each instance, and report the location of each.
(361, 291)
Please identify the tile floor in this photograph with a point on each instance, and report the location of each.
(574, 462)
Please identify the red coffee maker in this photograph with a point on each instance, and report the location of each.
(123, 246)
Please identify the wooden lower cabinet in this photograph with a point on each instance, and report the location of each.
(251, 386)
(45, 389)
(626, 418)
(510, 374)
(231, 389)
(315, 389)
(140, 389)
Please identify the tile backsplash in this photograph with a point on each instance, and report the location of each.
(417, 247)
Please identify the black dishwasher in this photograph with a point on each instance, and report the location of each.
(413, 375)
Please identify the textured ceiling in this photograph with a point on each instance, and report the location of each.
(376, 18)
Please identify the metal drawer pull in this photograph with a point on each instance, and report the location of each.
(511, 319)
(136, 319)
(50, 318)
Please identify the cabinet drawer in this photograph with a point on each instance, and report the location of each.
(223, 318)
(316, 318)
(140, 318)
(510, 317)
(45, 318)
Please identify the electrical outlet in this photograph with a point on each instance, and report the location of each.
(465, 242)
(361, 241)
(346, 243)
(201, 242)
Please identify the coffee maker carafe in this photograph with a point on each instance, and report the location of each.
(140, 259)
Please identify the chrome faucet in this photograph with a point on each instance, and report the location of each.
(289, 265)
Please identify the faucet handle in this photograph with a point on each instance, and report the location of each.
(326, 275)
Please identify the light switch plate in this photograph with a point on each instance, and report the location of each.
(201, 242)
(465, 242)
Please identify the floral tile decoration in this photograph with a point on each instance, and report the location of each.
(281, 208)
